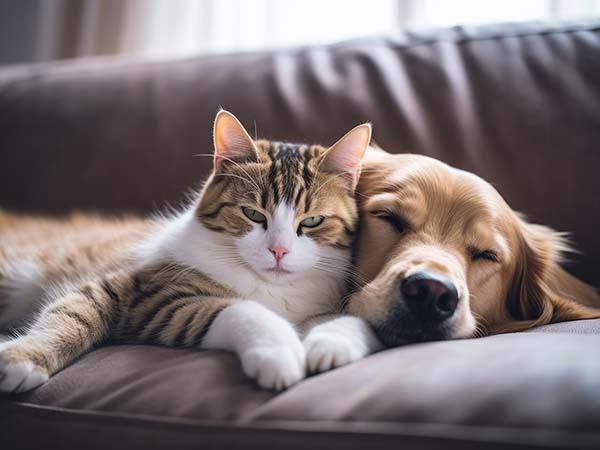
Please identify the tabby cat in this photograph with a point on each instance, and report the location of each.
(255, 265)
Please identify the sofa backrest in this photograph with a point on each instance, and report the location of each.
(517, 104)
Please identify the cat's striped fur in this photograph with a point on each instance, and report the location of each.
(284, 173)
(165, 281)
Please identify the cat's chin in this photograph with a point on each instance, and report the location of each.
(278, 276)
(278, 271)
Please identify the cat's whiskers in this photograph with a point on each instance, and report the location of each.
(227, 258)
(233, 175)
(230, 255)
(333, 268)
(239, 166)
(351, 275)
(236, 164)
(321, 186)
(356, 278)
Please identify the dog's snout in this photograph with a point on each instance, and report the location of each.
(430, 296)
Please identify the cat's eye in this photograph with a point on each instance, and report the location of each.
(254, 215)
(311, 222)
(399, 223)
(486, 255)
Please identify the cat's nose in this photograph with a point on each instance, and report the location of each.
(278, 252)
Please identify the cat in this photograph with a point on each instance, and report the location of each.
(256, 265)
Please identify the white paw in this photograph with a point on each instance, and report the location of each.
(338, 342)
(268, 346)
(275, 366)
(326, 351)
(19, 376)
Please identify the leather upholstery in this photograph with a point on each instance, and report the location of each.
(516, 104)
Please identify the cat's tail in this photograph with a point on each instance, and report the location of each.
(20, 281)
(21, 292)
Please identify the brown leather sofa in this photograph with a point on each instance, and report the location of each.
(517, 104)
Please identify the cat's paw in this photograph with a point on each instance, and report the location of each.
(268, 345)
(16, 374)
(275, 366)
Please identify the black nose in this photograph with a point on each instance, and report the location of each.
(430, 296)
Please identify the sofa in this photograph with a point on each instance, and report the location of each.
(518, 104)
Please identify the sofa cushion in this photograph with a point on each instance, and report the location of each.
(547, 380)
(154, 381)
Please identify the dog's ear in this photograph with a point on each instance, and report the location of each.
(541, 290)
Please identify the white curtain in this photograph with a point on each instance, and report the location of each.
(172, 28)
(182, 27)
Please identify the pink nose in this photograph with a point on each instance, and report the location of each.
(278, 252)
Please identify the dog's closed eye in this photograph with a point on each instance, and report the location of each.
(486, 255)
(399, 223)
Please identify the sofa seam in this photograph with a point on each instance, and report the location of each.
(26, 408)
(498, 37)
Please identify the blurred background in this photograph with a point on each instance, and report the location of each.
(45, 30)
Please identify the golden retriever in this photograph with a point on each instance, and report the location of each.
(440, 255)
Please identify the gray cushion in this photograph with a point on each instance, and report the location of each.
(526, 380)
(548, 379)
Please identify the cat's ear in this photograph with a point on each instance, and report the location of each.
(232, 142)
(345, 155)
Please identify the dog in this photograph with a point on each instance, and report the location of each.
(440, 255)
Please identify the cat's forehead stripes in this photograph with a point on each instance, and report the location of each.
(291, 169)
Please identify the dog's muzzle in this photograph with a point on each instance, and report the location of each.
(422, 304)
(429, 297)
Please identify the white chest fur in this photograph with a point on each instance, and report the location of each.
(295, 298)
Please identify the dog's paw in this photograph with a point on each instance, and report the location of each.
(276, 366)
(17, 374)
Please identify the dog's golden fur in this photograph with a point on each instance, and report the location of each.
(418, 213)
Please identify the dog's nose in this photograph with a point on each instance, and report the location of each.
(430, 296)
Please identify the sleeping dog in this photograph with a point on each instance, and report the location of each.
(440, 255)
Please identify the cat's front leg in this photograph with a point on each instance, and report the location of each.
(337, 340)
(268, 346)
(65, 329)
